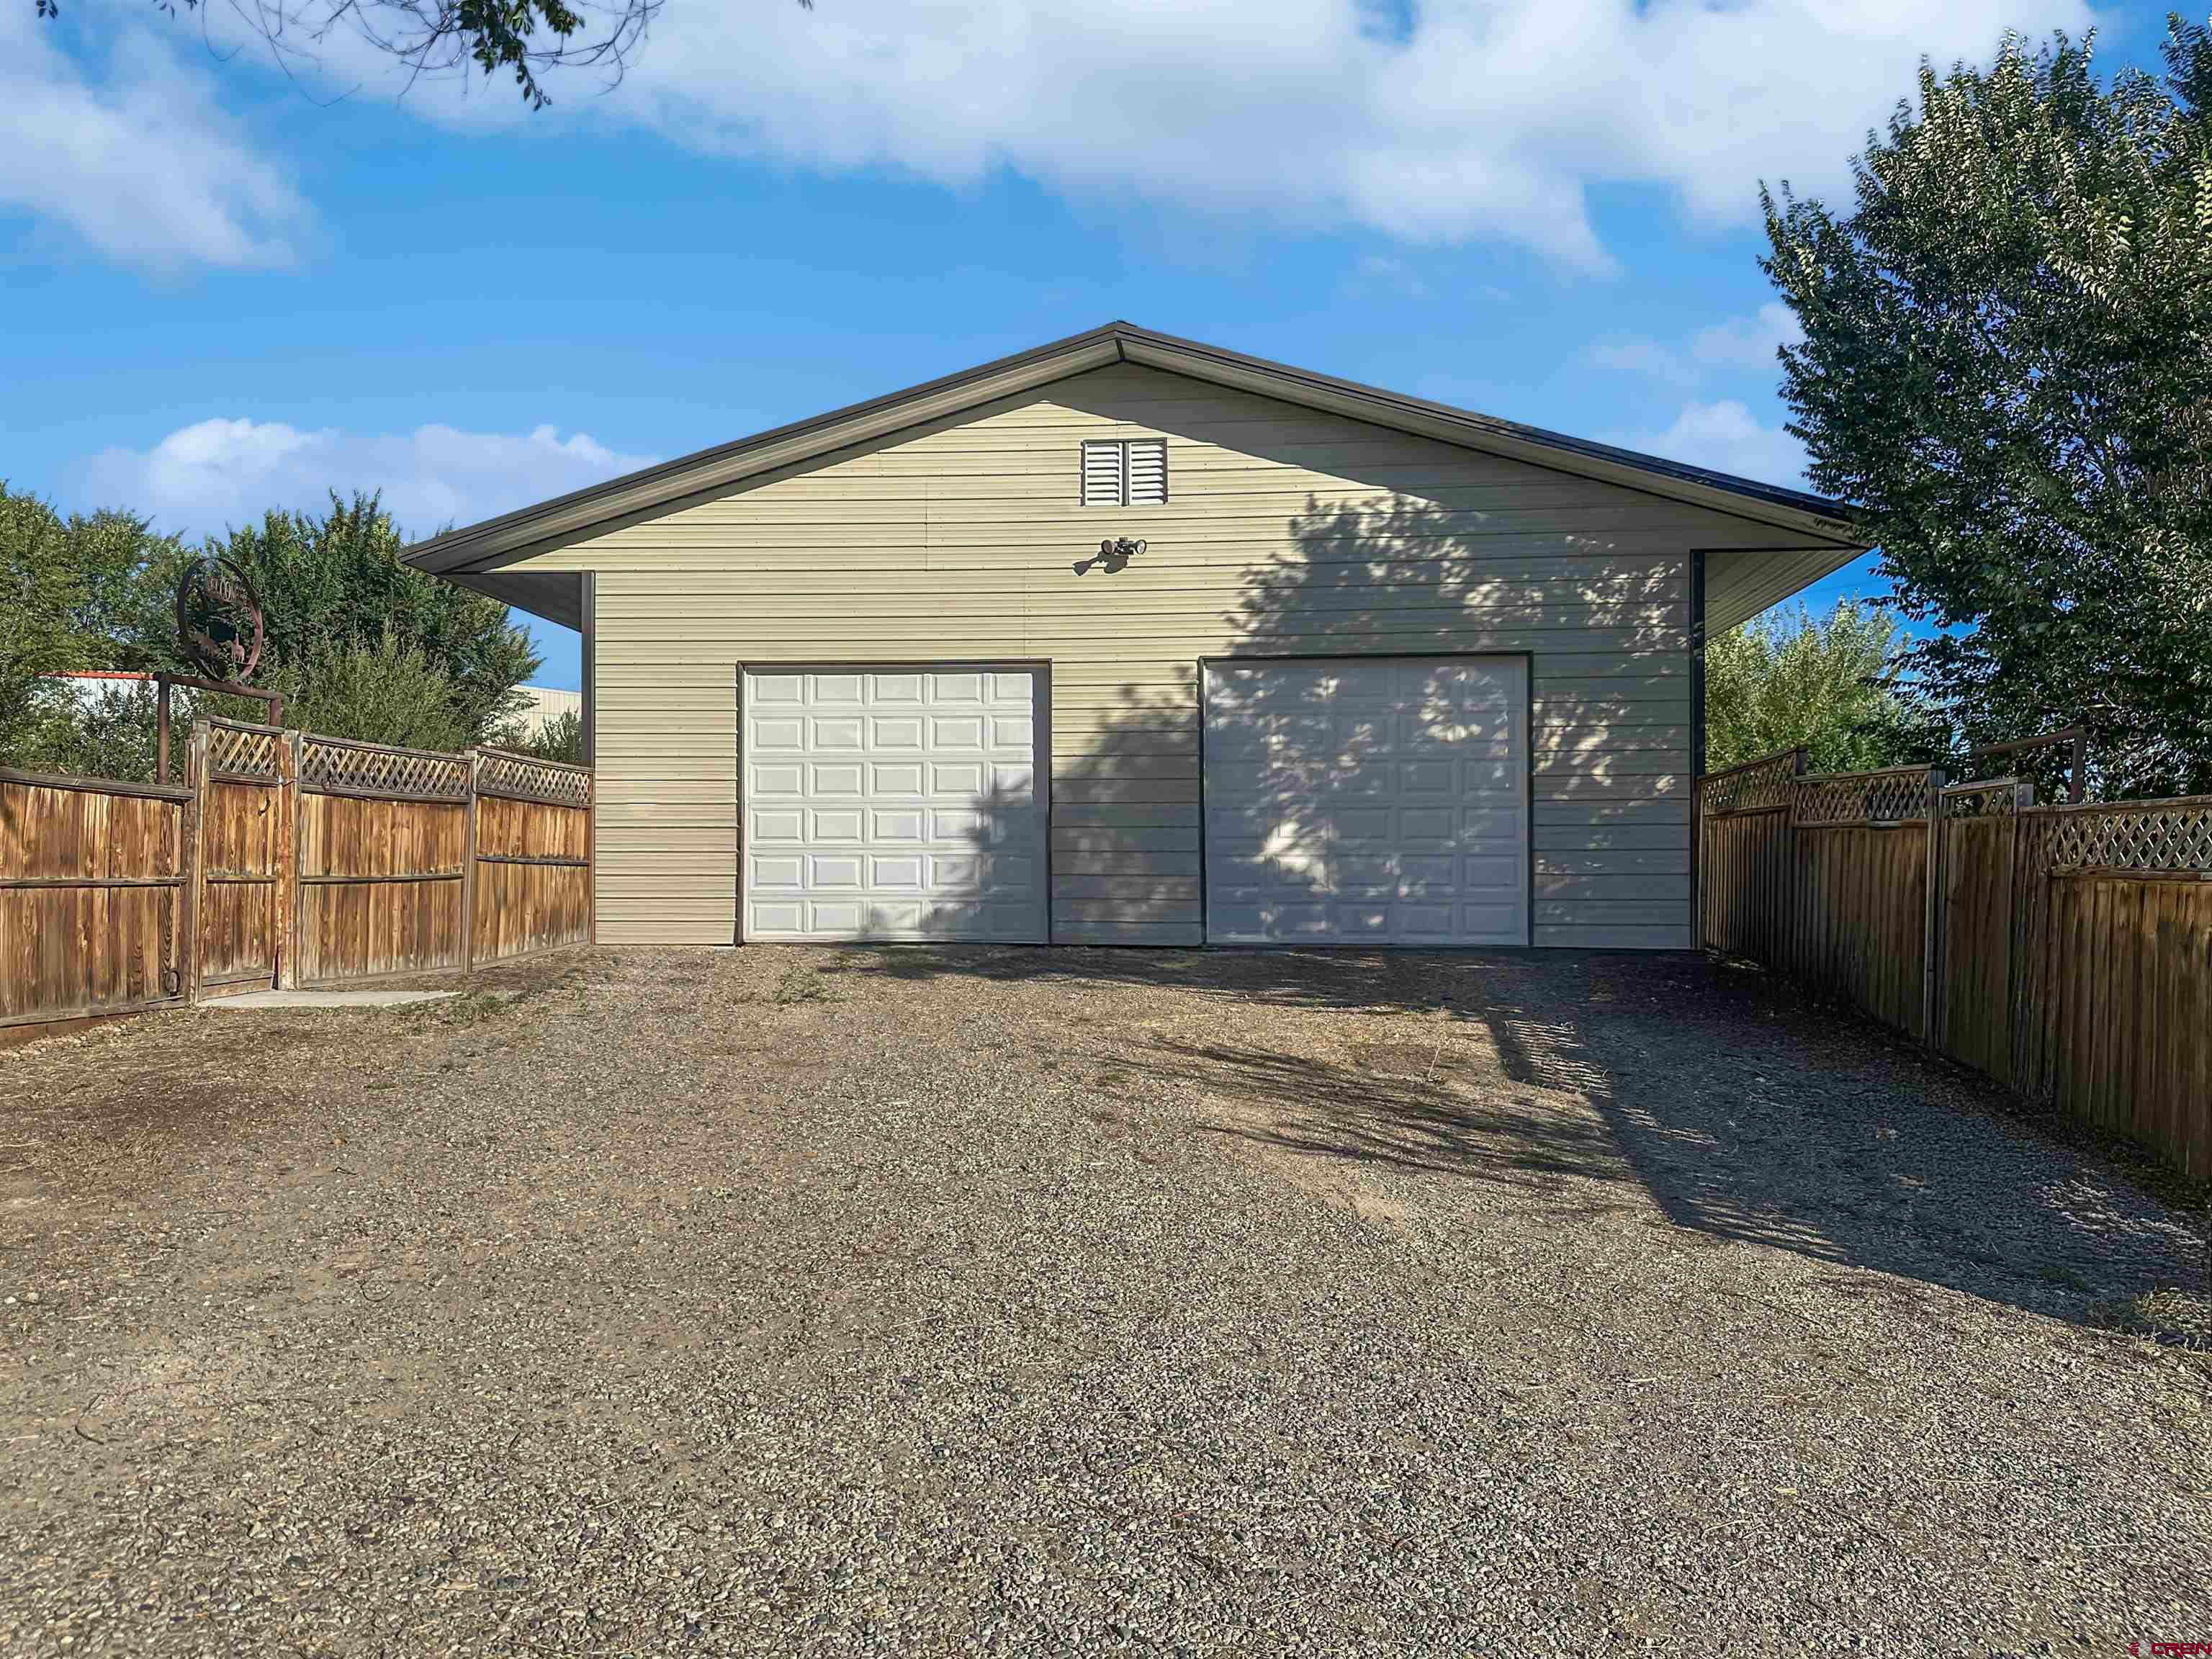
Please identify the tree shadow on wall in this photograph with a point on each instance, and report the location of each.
(1391, 576)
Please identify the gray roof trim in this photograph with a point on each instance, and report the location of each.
(671, 484)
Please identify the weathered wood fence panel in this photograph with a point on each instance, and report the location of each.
(92, 878)
(381, 887)
(1860, 914)
(2124, 1031)
(289, 858)
(2063, 950)
(242, 774)
(534, 875)
(384, 864)
(1745, 857)
(1980, 916)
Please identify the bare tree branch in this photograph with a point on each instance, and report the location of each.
(531, 38)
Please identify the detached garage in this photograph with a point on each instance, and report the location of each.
(1132, 641)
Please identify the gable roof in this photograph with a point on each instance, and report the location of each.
(674, 484)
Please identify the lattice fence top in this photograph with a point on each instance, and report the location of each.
(502, 774)
(2140, 834)
(336, 766)
(1896, 796)
(245, 751)
(1998, 798)
(1757, 787)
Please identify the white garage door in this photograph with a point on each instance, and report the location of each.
(894, 803)
(1368, 801)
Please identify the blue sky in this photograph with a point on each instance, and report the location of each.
(228, 289)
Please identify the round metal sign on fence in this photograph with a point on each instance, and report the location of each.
(219, 620)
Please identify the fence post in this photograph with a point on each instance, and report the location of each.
(1932, 952)
(196, 769)
(294, 892)
(469, 870)
(1698, 939)
(1789, 925)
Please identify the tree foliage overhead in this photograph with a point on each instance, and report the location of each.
(528, 38)
(2007, 364)
(1789, 678)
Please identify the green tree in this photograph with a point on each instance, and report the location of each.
(561, 739)
(387, 691)
(110, 732)
(2007, 365)
(63, 582)
(1829, 683)
(335, 584)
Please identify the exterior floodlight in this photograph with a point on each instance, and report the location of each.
(1114, 553)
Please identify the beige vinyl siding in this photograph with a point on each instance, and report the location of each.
(1286, 532)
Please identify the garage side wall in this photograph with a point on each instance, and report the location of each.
(1286, 532)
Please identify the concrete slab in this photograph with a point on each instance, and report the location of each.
(367, 998)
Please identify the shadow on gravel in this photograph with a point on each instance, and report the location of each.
(1419, 1118)
(1747, 1112)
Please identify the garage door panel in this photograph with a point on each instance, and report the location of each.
(780, 873)
(836, 733)
(821, 872)
(774, 825)
(1367, 801)
(894, 803)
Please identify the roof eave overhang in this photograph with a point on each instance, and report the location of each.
(673, 485)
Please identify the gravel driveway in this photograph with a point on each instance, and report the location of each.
(916, 1301)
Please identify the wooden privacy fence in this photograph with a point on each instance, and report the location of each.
(2065, 951)
(286, 859)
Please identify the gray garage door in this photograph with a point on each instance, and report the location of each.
(1367, 801)
(894, 803)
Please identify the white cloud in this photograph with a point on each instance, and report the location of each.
(1738, 345)
(1485, 118)
(1728, 438)
(1748, 343)
(203, 477)
(1384, 276)
(139, 162)
(1465, 119)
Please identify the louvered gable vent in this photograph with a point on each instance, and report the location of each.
(1148, 471)
(1125, 472)
(1102, 474)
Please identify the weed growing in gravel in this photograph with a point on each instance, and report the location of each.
(2171, 1318)
(803, 984)
(472, 1009)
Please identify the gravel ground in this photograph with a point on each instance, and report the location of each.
(912, 1301)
